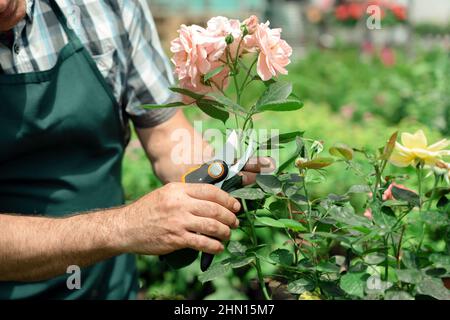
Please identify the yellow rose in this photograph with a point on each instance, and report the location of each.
(415, 149)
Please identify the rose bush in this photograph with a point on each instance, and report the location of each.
(332, 252)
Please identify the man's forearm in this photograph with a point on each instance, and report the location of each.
(39, 248)
(163, 147)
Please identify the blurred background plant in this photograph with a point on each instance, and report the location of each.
(358, 85)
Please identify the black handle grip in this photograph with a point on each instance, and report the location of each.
(211, 173)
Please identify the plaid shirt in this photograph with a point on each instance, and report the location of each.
(121, 37)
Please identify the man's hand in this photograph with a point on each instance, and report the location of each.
(173, 217)
(256, 166)
(179, 216)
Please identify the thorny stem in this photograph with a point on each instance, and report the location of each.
(248, 73)
(293, 238)
(386, 262)
(257, 261)
(419, 176)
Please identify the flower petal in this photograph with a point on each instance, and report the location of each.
(416, 140)
(401, 160)
(439, 145)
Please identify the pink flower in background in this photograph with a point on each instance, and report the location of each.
(274, 52)
(387, 57)
(252, 24)
(368, 214)
(348, 111)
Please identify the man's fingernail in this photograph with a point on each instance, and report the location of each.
(237, 223)
(236, 206)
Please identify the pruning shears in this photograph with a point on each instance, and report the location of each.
(222, 172)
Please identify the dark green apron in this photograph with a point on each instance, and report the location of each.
(61, 149)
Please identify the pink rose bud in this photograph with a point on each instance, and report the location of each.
(388, 195)
(252, 23)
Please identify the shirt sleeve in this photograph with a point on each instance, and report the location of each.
(149, 73)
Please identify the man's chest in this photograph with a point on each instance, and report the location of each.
(34, 45)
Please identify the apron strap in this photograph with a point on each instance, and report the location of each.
(63, 21)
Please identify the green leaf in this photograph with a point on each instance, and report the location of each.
(439, 192)
(188, 93)
(434, 288)
(354, 283)
(409, 259)
(292, 157)
(248, 194)
(215, 271)
(287, 163)
(293, 225)
(269, 222)
(435, 219)
(440, 260)
(269, 183)
(290, 177)
(315, 164)
(276, 91)
(347, 216)
(289, 189)
(167, 105)
(413, 276)
(213, 73)
(359, 189)
(211, 110)
(374, 258)
(342, 150)
(300, 286)
(299, 199)
(241, 261)
(278, 208)
(236, 248)
(220, 98)
(398, 295)
(281, 139)
(282, 256)
(395, 203)
(286, 105)
(406, 195)
(435, 272)
(327, 267)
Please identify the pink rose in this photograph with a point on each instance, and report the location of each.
(197, 52)
(274, 52)
(196, 85)
(221, 27)
(252, 24)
